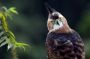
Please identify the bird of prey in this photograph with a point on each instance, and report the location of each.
(62, 42)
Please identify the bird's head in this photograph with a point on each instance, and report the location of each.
(56, 21)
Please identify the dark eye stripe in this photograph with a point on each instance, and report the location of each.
(57, 23)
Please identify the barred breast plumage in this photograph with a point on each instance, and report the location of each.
(65, 46)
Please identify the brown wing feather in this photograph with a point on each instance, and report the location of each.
(65, 46)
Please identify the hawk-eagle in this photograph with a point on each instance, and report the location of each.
(62, 42)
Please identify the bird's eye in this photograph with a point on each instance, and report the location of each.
(52, 22)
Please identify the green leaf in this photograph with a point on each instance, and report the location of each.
(8, 12)
(9, 37)
(13, 10)
(21, 45)
(12, 42)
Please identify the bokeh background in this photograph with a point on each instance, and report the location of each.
(30, 25)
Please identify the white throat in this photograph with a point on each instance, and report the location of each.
(58, 26)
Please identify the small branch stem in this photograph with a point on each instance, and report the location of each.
(14, 53)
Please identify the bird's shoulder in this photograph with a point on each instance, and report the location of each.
(69, 36)
(64, 38)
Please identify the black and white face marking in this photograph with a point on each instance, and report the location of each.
(57, 22)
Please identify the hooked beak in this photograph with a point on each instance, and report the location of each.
(49, 8)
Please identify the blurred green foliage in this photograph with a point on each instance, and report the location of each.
(84, 25)
(30, 26)
(10, 40)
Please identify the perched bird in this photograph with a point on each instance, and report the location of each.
(62, 42)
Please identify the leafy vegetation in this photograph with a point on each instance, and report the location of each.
(9, 37)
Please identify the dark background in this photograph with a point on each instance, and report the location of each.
(30, 25)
